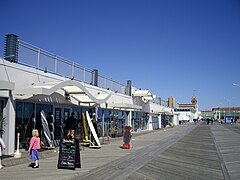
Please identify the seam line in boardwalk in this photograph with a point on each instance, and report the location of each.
(223, 165)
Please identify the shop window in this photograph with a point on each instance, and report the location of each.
(1, 107)
(58, 128)
(78, 115)
(47, 109)
(139, 121)
(24, 122)
(2, 126)
(155, 122)
(107, 122)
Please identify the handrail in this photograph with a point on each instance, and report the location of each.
(39, 58)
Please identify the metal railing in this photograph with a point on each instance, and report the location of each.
(38, 58)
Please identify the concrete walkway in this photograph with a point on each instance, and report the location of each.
(184, 152)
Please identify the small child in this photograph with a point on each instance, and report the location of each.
(127, 135)
(2, 147)
(34, 148)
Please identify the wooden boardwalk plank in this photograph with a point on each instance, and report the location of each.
(193, 157)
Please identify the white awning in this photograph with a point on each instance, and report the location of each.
(125, 106)
(165, 112)
(146, 95)
(6, 85)
(72, 88)
(142, 93)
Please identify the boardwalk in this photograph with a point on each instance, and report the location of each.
(184, 152)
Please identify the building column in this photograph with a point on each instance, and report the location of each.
(150, 126)
(175, 120)
(103, 123)
(129, 118)
(10, 115)
(159, 121)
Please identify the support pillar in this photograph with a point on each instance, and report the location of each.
(9, 135)
(159, 121)
(129, 119)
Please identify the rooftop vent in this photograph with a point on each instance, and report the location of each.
(11, 48)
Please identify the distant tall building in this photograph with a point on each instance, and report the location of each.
(192, 105)
(194, 100)
(171, 102)
(188, 112)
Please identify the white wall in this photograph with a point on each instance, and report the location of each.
(175, 120)
(10, 116)
(25, 77)
(150, 126)
(184, 116)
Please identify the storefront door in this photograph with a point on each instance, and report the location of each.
(58, 124)
(1, 116)
(66, 114)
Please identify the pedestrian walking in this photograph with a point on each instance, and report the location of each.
(70, 126)
(2, 147)
(34, 148)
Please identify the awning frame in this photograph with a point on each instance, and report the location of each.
(124, 106)
(145, 95)
(6, 85)
(51, 87)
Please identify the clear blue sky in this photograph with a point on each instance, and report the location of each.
(172, 47)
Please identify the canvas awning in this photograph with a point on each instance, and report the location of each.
(74, 89)
(167, 111)
(142, 93)
(125, 106)
(146, 95)
(6, 85)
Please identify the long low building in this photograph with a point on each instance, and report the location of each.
(33, 80)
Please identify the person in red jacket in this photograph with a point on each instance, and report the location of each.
(127, 135)
(34, 148)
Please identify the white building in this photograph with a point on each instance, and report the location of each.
(33, 79)
(188, 112)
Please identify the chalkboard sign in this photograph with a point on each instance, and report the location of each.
(69, 155)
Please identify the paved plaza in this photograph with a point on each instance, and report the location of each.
(184, 152)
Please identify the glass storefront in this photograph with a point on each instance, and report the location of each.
(118, 120)
(104, 122)
(166, 119)
(28, 117)
(139, 121)
(58, 128)
(78, 115)
(111, 122)
(155, 122)
(1, 116)
(101, 122)
(62, 113)
(231, 117)
(1, 107)
(24, 122)
(47, 109)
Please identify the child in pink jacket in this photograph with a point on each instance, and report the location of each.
(34, 148)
